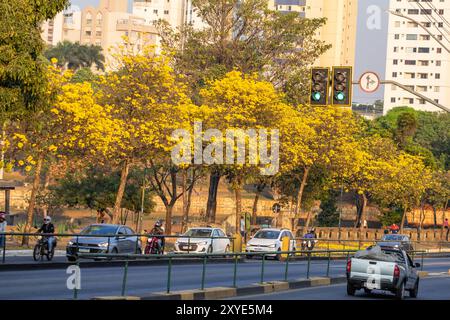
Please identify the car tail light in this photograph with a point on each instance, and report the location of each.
(349, 266)
(396, 272)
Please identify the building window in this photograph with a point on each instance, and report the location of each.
(394, 74)
(410, 62)
(396, 36)
(98, 33)
(88, 33)
(437, 76)
(424, 50)
(395, 61)
(437, 89)
(411, 37)
(438, 63)
(439, 50)
(166, 11)
(155, 11)
(393, 100)
(423, 75)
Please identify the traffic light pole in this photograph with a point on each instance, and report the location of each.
(421, 96)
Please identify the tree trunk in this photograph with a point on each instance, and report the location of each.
(362, 211)
(299, 200)
(259, 188)
(211, 204)
(168, 222)
(120, 191)
(32, 203)
(402, 224)
(238, 198)
(187, 195)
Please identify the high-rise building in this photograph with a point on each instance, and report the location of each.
(339, 30)
(175, 12)
(414, 58)
(104, 26)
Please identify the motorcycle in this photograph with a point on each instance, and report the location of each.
(152, 246)
(308, 244)
(41, 249)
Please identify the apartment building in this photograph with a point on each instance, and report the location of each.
(105, 26)
(414, 58)
(339, 31)
(175, 12)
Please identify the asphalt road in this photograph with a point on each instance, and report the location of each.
(431, 288)
(107, 281)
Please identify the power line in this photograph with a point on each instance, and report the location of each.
(433, 7)
(428, 17)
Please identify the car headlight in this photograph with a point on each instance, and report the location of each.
(103, 244)
(70, 243)
(272, 245)
(202, 243)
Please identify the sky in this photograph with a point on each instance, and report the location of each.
(370, 44)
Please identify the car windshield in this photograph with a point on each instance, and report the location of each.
(267, 234)
(393, 237)
(100, 230)
(198, 233)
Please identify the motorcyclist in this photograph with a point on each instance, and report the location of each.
(311, 234)
(158, 230)
(48, 228)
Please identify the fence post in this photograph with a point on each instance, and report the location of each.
(109, 242)
(262, 267)
(286, 269)
(328, 264)
(203, 272)
(189, 244)
(4, 249)
(75, 290)
(309, 264)
(125, 274)
(169, 274)
(235, 271)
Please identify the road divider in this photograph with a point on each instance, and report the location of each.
(230, 292)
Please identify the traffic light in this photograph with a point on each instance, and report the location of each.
(342, 87)
(319, 86)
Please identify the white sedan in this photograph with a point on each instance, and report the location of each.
(203, 240)
(270, 240)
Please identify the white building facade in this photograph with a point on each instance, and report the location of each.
(414, 58)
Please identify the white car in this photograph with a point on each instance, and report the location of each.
(203, 240)
(270, 240)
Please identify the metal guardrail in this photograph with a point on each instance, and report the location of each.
(235, 256)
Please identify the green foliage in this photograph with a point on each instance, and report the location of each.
(96, 188)
(75, 55)
(329, 214)
(22, 72)
(84, 75)
(394, 215)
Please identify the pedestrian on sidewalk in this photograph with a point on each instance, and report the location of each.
(446, 227)
(2, 229)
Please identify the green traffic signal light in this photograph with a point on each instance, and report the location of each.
(340, 96)
(316, 96)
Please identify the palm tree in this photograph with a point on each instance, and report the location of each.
(75, 55)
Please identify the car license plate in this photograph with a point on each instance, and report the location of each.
(185, 248)
(84, 250)
(373, 285)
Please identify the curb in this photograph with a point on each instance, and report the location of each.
(229, 292)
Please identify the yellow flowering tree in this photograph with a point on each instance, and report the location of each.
(146, 100)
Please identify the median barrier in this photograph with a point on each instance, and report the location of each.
(229, 292)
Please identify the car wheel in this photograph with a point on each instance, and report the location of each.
(278, 256)
(350, 289)
(72, 259)
(400, 293)
(227, 250)
(367, 291)
(114, 251)
(414, 292)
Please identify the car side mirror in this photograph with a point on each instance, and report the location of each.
(417, 265)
